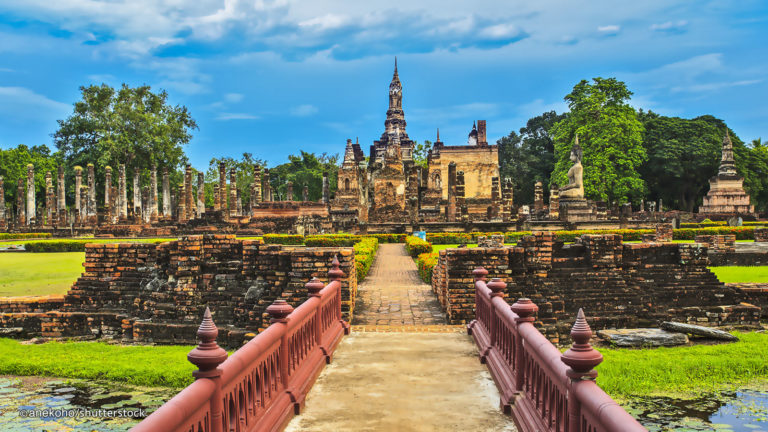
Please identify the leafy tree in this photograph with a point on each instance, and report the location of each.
(131, 126)
(420, 152)
(13, 166)
(610, 135)
(755, 172)
(529, 157)
(306, 169)
(244, 175)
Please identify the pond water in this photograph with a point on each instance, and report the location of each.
(74, 405)
(736, 411)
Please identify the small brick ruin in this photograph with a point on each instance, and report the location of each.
(156, 293)
(619, 285)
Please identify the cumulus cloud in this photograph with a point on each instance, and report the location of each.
(609, 29)
(304, 110)
(670, 26)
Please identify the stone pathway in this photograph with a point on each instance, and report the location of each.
(393, 294)
(402, 368)
(404, 382)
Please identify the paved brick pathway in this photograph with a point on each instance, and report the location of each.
(393, 294)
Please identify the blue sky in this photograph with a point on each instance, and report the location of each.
(275, 77)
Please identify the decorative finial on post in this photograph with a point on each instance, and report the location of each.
(208, 355)
(525, 310)
(314, 286)
(479, 274)
(497, 287)
(279, 311)
(335, 273)
(581, 357)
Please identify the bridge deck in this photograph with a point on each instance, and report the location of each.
(406, 370)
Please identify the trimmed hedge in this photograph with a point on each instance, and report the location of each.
(343, 240)
(741, 233)
(283, 239)
(416, 246)
(389, 238)
(365, 252)
(15, 236)
(426, 263)
(78, 245)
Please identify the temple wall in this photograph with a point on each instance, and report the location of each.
(479, 163)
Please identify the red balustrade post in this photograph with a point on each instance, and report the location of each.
(313, 288)
(278, 312)
(497, 287)
(207, 356)
(582, 359)
(525, 310)
(336, 274)
(479, 275)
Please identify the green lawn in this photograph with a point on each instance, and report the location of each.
(38, 273)
(154, 366)
(741, 274)
(684, 370)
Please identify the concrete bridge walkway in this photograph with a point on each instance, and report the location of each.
(402, 368)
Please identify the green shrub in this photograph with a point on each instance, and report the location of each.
(365, 252)
(741, 233)
(14, 236)
(416, 246)
(426, 263)
(344, 240)
(78, 245)
(388, 238)
(284, 239)
(449, 238)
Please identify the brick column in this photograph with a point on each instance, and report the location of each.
(289, 190)
(554, 201)
(110, 212)
(136, 196)
(21, 214)
(223, 188)
(181, 213)
(305, 194)
(189, 196)
(216, 198)
(538, 196)
(450, 211)
(326, 188)
(232, 192)
(460, 195)
(122, 193)
(78, 188)
(267, 186)
(50, 198)
(61, 208)
(256, 191)
(83, 204)
(30, 194)
(153, 194)
(166, 194)
(507, 198)
(200, 195)
(91, 207)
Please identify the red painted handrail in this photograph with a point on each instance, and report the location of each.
(541, 388)
(264, 383)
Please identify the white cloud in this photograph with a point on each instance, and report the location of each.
(233, 97)
(670, 26)
(24, 104)
(304, 110)
(609, 29)
(237, 116)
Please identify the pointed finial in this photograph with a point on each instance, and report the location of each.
(581, 357)
(313, 287)
(208, 355)
(395, 65)
(438, 135)
(357, 140)
(474, 125)
(335, 273)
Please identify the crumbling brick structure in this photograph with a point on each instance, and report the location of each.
(156, 293)
(619, 285)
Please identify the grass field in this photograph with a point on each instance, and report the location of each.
(39, 273)
(740, 274)
(154, 366)
(684, 371)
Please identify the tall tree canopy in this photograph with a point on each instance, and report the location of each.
(134, 126)
(611, 137)
(13, 166)
(305, 169)
(529, 157)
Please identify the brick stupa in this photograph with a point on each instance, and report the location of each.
(726, 190)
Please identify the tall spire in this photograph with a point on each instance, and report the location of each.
(727, 164)
(395, 66)
(438, 135)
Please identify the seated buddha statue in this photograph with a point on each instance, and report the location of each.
(575, 188)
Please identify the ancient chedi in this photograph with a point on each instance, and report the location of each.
(726, 194)
(459, 184)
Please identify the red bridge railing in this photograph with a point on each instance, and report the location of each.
(541, 388)
(262, 385)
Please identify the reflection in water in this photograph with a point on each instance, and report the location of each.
(742, 411)
(17, 395)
